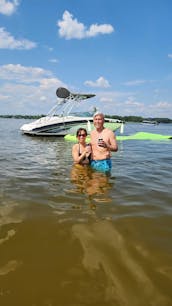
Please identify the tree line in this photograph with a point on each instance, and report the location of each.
(137, 119)
(140, 119)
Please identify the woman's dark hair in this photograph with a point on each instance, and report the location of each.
(80, 130)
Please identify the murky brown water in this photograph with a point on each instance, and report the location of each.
(73, 237)
(48, 261)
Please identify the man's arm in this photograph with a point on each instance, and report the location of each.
(112, 144)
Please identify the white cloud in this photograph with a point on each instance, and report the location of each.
(163, 104)
(27, 90)
(70, 28)
(8, 7)
(7, 41)
(22, 74)
(116, 97)
(3, 97)
(159, 109)
(170, 55)
(135, 82)
(105, 99)
(121, 103)
(48, 83)
(132, 102)
(53, 60)
(43, 98)
(95, 30)
(100, 82)
(112, 102)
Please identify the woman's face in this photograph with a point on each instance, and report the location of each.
(81, 136)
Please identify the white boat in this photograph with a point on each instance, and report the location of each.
(154, 122)
(60, 122)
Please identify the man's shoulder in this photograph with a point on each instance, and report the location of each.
(107, 130)
(92, 132)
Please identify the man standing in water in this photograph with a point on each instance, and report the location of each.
(103, 142)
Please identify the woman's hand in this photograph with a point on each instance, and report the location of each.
(88, 150)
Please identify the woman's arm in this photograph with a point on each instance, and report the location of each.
(75, 154)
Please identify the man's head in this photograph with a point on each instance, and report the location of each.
(98, 120)
(98, 113)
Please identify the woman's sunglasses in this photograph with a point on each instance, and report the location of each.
(83, 135)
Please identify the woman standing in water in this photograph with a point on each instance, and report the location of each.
(81, 151)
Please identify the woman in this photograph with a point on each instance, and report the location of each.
(81, 151)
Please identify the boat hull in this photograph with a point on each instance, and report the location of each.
(63, 127)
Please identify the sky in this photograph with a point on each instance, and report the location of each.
(119, 50)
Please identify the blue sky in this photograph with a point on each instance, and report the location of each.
(120, 50)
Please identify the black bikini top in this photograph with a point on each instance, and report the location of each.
(80, 153)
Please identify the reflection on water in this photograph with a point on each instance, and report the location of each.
(95, 185)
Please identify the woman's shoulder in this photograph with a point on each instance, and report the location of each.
(75, 146)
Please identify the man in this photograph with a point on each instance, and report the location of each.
(103, 142)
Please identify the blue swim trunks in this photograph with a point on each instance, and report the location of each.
(103, 165)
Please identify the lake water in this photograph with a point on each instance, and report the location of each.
(73, 237)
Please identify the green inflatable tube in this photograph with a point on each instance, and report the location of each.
(137, 136)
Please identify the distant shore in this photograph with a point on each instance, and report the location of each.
(136, 119)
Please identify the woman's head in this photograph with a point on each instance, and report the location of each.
(81, 133)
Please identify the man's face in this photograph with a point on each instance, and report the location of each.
(98, 121)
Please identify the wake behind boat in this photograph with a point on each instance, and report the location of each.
(60, 122)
